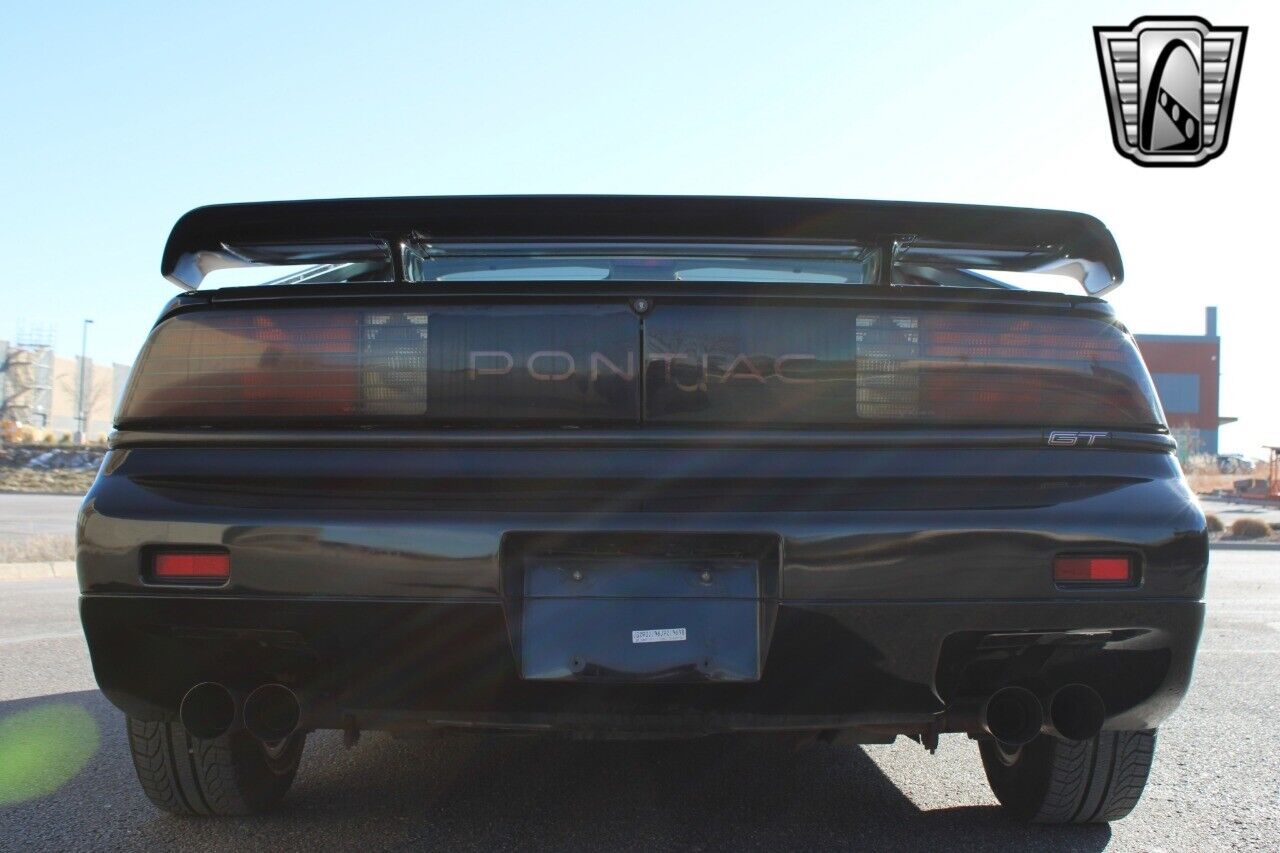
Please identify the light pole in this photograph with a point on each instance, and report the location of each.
(81, 415)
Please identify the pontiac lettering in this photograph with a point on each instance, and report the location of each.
(677, 368)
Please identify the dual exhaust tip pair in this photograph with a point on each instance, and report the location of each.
(1015, 715)
(270, 713)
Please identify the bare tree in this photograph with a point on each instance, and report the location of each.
(93, 393)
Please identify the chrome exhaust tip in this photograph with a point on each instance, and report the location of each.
(272, 712)
(208, 710)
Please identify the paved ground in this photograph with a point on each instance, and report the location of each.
(1215, 783)
(24, 515)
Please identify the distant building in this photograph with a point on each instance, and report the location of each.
(1185, 369)
(40, 389)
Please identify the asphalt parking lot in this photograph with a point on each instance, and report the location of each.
(1216, 782)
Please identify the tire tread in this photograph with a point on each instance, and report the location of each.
(1064, 781)
(189, 776)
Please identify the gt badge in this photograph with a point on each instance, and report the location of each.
(1065, 438)
(1170, 84)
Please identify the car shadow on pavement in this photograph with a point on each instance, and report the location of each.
(485, 793)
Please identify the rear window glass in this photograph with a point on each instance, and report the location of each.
(757, 262)
(547, 261)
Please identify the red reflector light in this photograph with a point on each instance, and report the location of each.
(1091, 569)
(191, 567)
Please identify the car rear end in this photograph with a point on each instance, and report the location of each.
(614, 483)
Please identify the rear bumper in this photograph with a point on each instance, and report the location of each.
(386, 585)
(410, 664)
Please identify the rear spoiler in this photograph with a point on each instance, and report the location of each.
(903, 234)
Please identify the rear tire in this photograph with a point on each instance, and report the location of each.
(230, 775)
(1051, 780)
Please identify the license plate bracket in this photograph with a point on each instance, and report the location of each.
(649, 620)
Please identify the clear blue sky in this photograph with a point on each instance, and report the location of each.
(120, 117)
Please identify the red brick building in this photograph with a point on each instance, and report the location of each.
(1185, 369)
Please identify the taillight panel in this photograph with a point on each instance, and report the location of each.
(583, 364)
(453, 365)
(222, 365)
(810, 366)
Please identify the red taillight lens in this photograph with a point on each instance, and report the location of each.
(1000, 370)
(314, 364)
(1035, 369)
(1093, 569)
(191, 567)
(235, 364)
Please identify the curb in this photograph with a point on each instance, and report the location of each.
(36, 571)
(1244, 546)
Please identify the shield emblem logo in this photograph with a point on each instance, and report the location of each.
(1170, 86)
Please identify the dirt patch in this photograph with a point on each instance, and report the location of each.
(1203, 484)
(50, 470)
(48, 482)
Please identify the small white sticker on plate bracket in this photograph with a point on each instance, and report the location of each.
(659, 635)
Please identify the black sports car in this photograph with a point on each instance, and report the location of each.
(638, 467)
